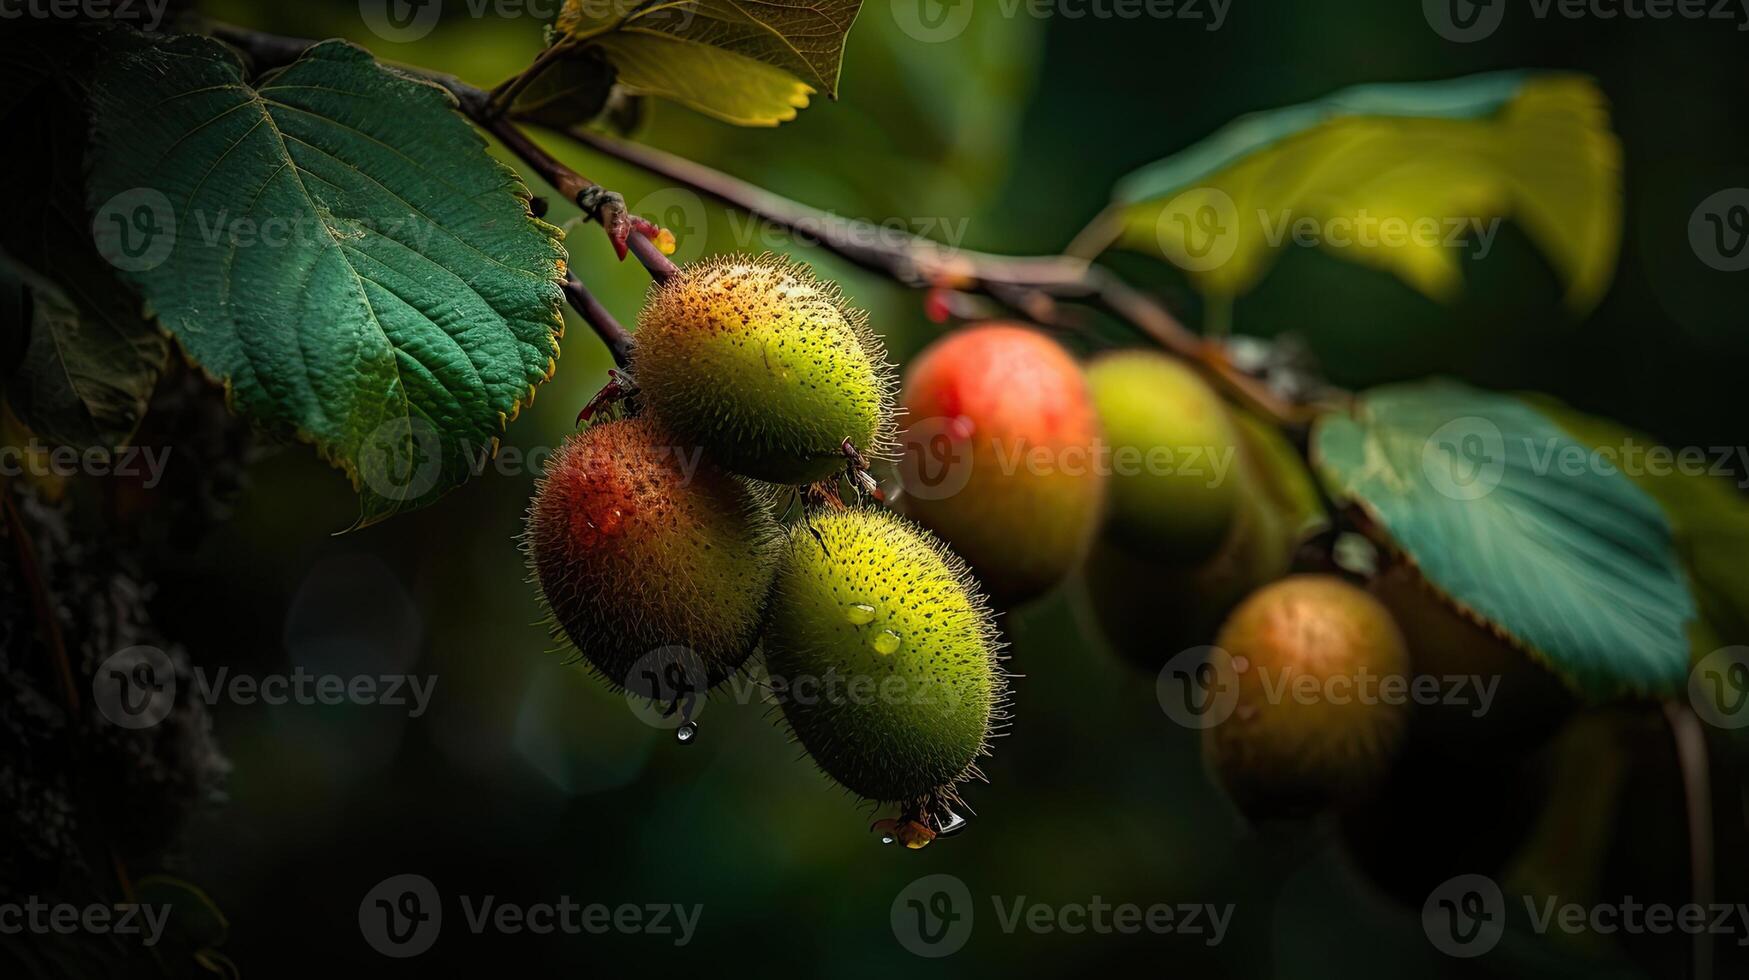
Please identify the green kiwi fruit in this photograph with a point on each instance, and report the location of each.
(1174, 495)
(884, 656)
(1302, 733)
(637, 544)
(765, 366)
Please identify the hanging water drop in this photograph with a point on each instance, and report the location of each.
(859, 613)
(886, 642)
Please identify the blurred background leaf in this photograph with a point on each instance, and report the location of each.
(1435, 161)
(1477, 489)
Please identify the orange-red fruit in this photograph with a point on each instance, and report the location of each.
(1321, 670)
(1001, 455)
(640, 545)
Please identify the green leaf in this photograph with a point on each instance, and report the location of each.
(1576, 564)
(718, 83)
(1708, 513)
(1366, 164)
(346, 257)
(748, 63)
(84, 380)
(92, 357)
(572, 91)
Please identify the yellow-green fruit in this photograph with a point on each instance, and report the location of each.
(1149, 611)
(1321, 671)
(883, 656)
(1001, 455)
(1173, 456)
(764, 366)
(639, 546)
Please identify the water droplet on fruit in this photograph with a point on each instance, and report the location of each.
(687, 732)
(611, 522)
(886, 642)
(859, 613)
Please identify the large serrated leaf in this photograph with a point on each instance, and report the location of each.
(345, 255)
(1574, 562)
(1443, 157)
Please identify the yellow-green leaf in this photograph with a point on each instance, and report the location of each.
(1406, 178)
(718, 83)
(748, 63)
(803, 37)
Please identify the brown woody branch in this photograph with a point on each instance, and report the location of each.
(1033, 285)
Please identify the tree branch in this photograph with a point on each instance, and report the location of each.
(1029, 284)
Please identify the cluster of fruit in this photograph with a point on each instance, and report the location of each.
(660, 556)
(1183, 515)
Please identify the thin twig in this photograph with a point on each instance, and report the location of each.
(660, 267)
(618, 341)
(1029, 284)
(1691, 753)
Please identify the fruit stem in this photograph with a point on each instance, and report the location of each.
(660, 267)
(617, 339)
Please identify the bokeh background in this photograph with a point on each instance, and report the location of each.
(528, 781)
